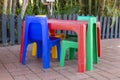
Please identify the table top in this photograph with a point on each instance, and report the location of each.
(65, 24)
(66, 21)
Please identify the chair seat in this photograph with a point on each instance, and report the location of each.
(74, 39)
(54, 40)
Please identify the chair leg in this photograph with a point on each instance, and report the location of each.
(46, 57)
(21, 51)
(34, 49)
(58, 51)
(54, 52)
(71, 53)
(62, 55)
(22, 44)
(95, 48)
(24, 54)
(89, 50)
(39, 50)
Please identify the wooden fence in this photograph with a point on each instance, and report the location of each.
(11, 27)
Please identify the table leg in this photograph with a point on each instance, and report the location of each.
(98, 39)
(95, 45)
(22, 42)
(52, 32)
(82, 49)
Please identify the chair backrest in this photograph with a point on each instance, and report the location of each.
(90, 19)
(86, 18)
(35, 26)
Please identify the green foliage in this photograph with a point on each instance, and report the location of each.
(35, 8)
(69, 7)
(1, 2)
(110, 10)
(66, 7)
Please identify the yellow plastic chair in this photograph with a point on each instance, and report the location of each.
(54, 48)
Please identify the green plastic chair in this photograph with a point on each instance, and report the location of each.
(72, 50)
(91, 38)
(88, 36)
(91, 44)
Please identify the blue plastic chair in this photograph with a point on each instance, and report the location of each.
(36, 30)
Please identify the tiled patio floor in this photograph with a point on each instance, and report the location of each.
(108, 67)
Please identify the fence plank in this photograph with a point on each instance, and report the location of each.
(74, 17)
(105, 22)
(53, 16)
(0, 28)
(108, 28)
(65, 18)
(58, 17)
(69, 18)
(4, 30)
(119, 28)
(104, 27)
(12, 30)
(101, 21)
(111, 32)
(97, 18)
(19, 28)
(116, 28)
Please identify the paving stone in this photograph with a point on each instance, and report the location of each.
(4, 74)
(22, 72)
(106, 74)
(49, 75)
(88, 79)
(96, 76)
(78, 76)
(32, 77)
(22, 77)
(11, 67)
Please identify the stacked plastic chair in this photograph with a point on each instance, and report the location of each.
(53, 49)
(36, 30)
(95, 40)
(91, 44)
